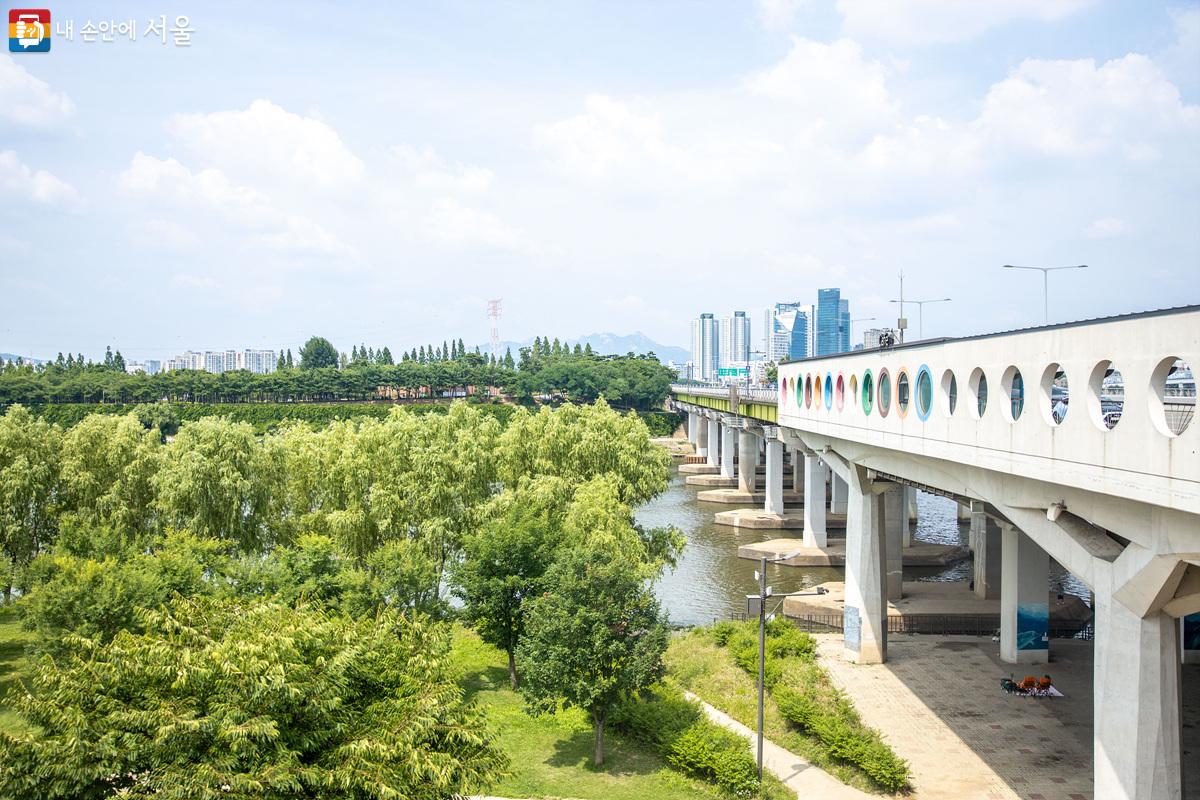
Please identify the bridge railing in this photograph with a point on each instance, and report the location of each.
(760, 393)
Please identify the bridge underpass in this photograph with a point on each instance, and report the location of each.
(1112, 496)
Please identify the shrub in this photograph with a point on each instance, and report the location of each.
(716, 754)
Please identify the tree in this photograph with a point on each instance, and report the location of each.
(317, 352)
(504, 561)
(281, 363)
(219, 698)
(290, 364)
(29, 470)
(385, 356)
(118, 362)
(594, 636)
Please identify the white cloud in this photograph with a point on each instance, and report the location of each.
(29, 101)
(428, 171)
(1181, 59)
(194, 281)
(165, 233)
(1076, 109)
(942, 21)
(36, 185)
(267, 142)
(450, 222)
(778, 14)
(1107, 228)
(830, 83)
(245, 207)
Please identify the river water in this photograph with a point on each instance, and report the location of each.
(711, 582)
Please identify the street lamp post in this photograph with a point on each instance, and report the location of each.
(764, 592)
(1045, 284)
(920, 304)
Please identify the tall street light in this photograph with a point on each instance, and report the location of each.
(764, 592)
(920, 304)
(857, 319)
(1045, 284)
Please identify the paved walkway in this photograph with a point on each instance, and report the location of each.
(938, 703)
(797, 774)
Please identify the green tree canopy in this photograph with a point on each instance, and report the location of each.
(317, 352)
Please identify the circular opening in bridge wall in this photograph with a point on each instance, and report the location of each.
(839, 392)
(949, 398)
(853, 389)
(1014, 389)
(979, 389)
(1106, 395)
(903, 392)
(808, 391)
(828, 391)
(1054, 394)
(1172, 396)
(817, 393)
(783, 387)
(868, 392)
(924, 392)
(885, 392)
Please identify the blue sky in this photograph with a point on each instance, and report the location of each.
(376, 174)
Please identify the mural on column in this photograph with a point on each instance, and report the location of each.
(1191, 632)
(1033, 626)
(851, 628)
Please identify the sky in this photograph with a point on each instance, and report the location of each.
(375, 173)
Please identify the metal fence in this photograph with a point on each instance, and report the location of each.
(940, 625)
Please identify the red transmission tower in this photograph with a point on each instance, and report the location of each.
(494, 314)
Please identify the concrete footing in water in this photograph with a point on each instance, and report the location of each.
(921, 554)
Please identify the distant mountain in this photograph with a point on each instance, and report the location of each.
(613, 344)
(14, 357)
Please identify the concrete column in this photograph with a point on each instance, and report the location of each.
(1136, 703)
(694, 428)
(747, 460)
(798, 471)
(774, 502)
(865, 622)
(895, 521)
(985, 545)
(701, 437)
(837, 495)
(729, 446)
(910, 514)
(714, 441)
(1024, 595)
(814, 502)
(964, 513)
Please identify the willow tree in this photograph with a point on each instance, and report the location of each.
(108, 467)
(29, 476)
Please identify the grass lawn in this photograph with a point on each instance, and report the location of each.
(698, 664)
(551, 755)
(12, 663)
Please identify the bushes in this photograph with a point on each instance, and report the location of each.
(676, 728)
(807, 700)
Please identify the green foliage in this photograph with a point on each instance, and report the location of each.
(317, 352)
(30, 451)
(594, 635)
(224, 699)
(661, 423)
(676, 727)
(808, 700)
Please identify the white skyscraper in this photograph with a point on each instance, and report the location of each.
(706, 347)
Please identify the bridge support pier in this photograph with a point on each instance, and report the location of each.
(747, 460)
(837, 495)
(729, 446)
(714, 441)
(814, 502)
(701, 437)
(798, 462)
(774, 499)
(1024, 592)
(910, 514)
(895, 522)
(985, 553)
(694, 429)
(1136, 699)
(865, 622)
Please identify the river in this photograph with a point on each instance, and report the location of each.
(710, 582)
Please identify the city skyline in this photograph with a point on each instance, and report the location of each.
(824, 144)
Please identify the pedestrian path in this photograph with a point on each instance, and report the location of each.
(796, 773)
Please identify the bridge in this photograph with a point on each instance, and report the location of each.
(1069, 442)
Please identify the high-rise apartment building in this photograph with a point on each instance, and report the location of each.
(844, 320)
(735, 340)
(786, 332)
(706, 347)
(218, 361)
